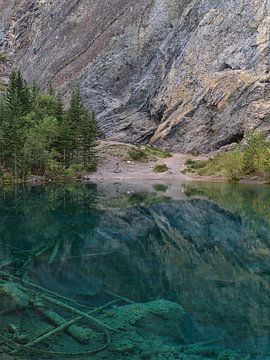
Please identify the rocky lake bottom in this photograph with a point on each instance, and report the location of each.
(135, 271)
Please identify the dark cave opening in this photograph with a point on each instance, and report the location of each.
(233, 138)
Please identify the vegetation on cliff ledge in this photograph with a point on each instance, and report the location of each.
(38, 136)
(248, 160)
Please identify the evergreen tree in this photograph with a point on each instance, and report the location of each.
(51, 90)
(37, 135)
(88, 139)
(81, 131)
(2, 135)
(17, 104)
(34, 90)
(69, 133)
(17, 95)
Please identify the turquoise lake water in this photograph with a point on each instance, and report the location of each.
(182, 271)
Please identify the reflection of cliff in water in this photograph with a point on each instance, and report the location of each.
(213, 260)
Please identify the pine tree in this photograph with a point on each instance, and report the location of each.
(17, 104)
(23, 93)
(81, 131)
(37, 134)
(34, 90)
(17, 96)
(51, 90)
(2, 135)
(88, 139)
(69, 136)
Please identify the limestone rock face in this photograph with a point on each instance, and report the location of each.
(189, 75)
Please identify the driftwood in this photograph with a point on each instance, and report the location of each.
(65, 325)
(69, 326)
(99, 324)
(22, 299)
(22, 348)
(79, 334)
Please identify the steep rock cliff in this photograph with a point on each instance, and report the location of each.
(190, 75)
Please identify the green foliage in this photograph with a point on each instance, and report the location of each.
(147, 153)
(160, 187)
(159, 168)
(137, 154)
(38, 146)
(155, 153)
(55, 170)
(252, 151)
(37, 136)
(195, 165)
(251, 159)
(6, 179)
(262, 162)
(2, 86)
(233, 165)
(73, 170)
(2, 57)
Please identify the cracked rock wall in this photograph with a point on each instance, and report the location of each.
(189, 75)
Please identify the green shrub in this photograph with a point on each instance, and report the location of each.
(2, 86)
(154, 153)
(73, 171)
(194, 165)
(252, 150)
(160, 187)
(137, 154)
(190, 162)
(2, 57)
(232, 163)
(7, 179)
(262, 162)
(159, 168)
(55, 170)
(147, 153)
(251, 159)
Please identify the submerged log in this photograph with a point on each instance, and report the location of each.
(76, 332)
(97, 323)
(64, 325)
(11, 293)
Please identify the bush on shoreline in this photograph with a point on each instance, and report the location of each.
(147, 153)
(160, 168)
(250, 159)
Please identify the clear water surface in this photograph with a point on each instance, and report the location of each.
(145, 271)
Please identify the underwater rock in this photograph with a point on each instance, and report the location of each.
(160, 317)
(22, 339)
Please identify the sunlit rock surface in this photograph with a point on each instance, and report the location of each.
(189, 75)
